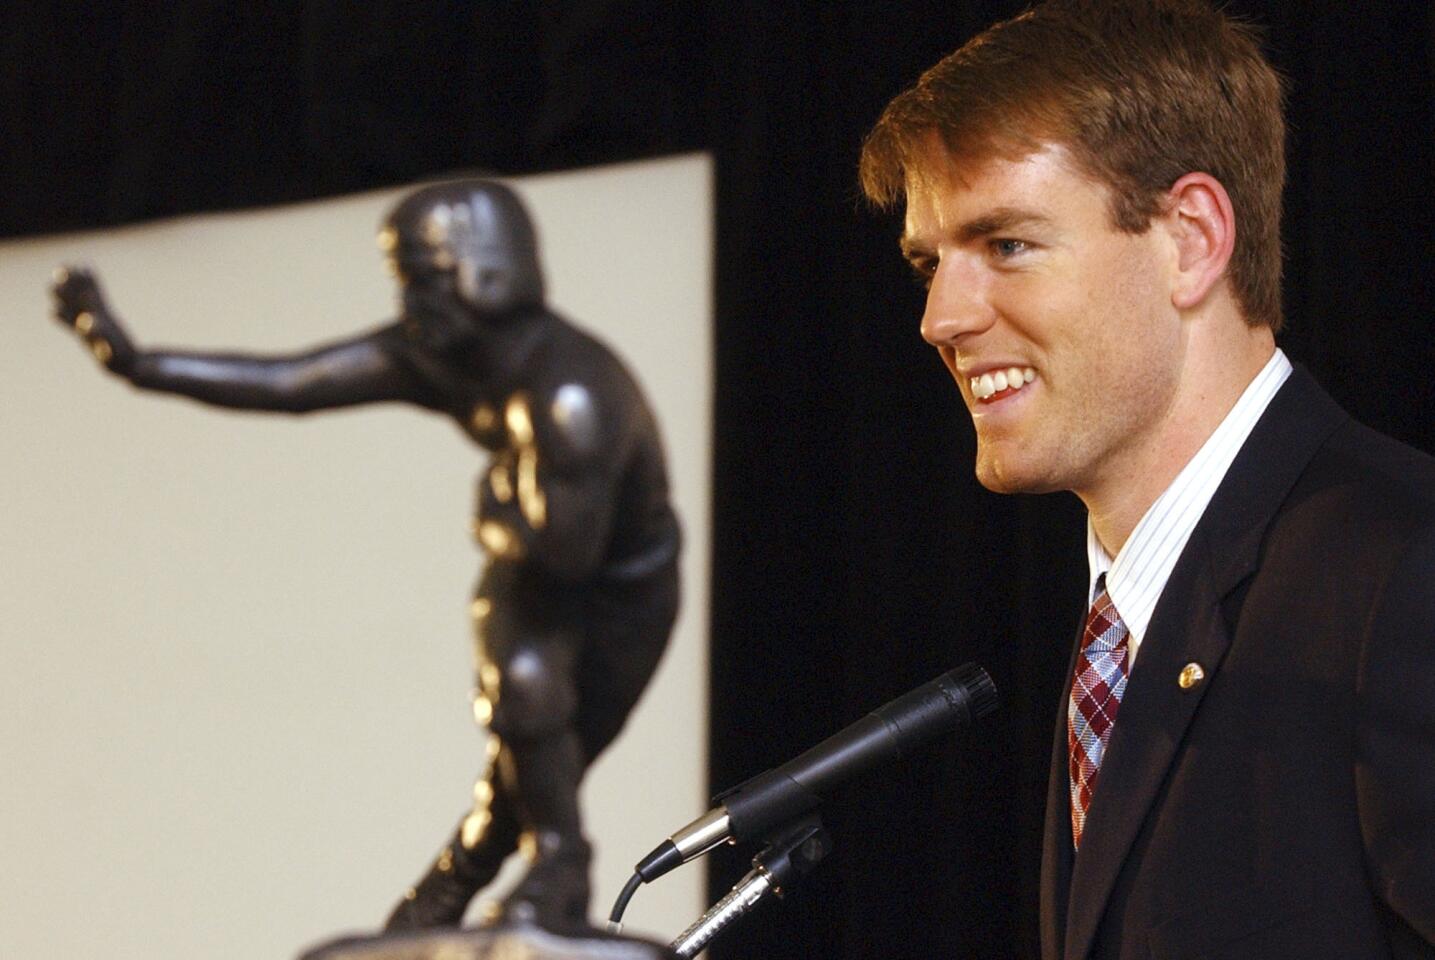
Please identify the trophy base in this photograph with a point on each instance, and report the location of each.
(501, 942)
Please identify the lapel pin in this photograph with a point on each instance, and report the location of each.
(1191, 674)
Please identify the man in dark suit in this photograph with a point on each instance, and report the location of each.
(1245, 764)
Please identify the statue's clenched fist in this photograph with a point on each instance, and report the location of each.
(80, 305)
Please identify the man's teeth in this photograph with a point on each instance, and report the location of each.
(1013, 378)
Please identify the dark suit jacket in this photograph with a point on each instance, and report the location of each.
(1285, 806)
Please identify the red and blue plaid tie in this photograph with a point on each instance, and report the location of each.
(1096, 691)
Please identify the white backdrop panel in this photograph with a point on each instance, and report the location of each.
(234, 655)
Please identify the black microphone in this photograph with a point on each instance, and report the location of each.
(773, 798)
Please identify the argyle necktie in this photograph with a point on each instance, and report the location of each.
(1096, 691)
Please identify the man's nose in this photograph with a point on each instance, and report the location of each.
(958, 304)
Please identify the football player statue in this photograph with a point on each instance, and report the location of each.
(578, 596)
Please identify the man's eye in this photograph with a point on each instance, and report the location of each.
(1008, 248)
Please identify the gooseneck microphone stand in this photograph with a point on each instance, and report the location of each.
(792, 852)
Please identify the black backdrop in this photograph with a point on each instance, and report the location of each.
(853, 554)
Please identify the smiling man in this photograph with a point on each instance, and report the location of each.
(1244, 766)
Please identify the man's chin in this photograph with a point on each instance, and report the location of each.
(1003, 476)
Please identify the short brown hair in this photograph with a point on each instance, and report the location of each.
(1141, 92)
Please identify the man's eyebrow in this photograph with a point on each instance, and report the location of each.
(998, 220)
(911, 249)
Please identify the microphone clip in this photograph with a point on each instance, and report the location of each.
(793, 851)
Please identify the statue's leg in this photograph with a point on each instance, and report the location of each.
(489, 832)
(626, 629)
(528, 637)
(467, 863)
(541, 768)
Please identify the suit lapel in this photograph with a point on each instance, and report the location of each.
(1056, 852)
(1188, 626)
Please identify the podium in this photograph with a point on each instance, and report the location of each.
(511, 942)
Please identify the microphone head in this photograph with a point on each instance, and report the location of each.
(976, 688)
(956, 698)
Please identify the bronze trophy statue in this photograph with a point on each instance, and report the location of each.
(576, 602)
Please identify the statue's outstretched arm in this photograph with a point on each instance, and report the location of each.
(360, 370)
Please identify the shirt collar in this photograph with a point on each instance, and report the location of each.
(1137, 575)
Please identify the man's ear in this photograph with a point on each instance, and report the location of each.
(1203, 225)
